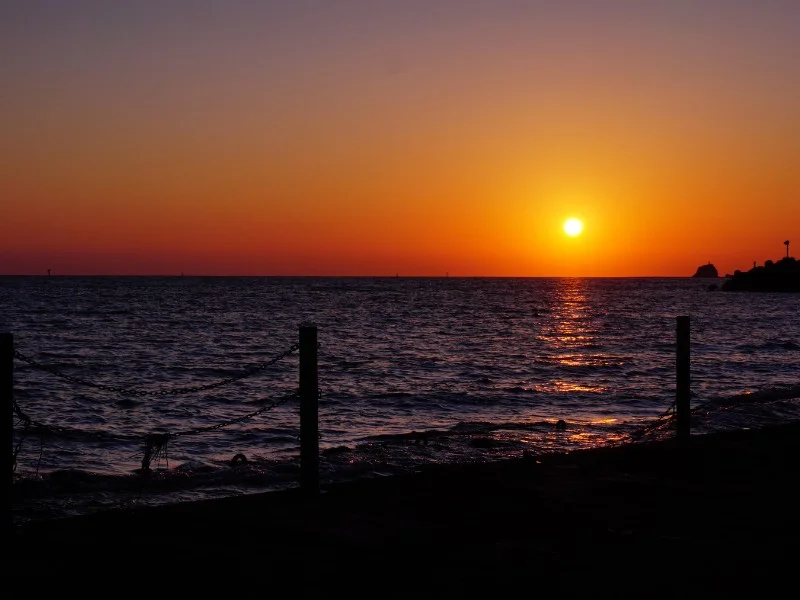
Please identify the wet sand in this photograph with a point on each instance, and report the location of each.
(713, 515)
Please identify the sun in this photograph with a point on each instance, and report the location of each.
(573, 227)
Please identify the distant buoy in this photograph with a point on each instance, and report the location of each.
(561, 424)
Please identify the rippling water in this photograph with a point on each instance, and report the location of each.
(484, 367)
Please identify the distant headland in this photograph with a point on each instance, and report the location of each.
(708, 270)
(781, 276)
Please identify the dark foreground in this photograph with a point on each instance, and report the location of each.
(714, 516)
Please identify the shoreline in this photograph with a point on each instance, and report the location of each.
(724, 502)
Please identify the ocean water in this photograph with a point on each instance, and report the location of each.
(412, 371)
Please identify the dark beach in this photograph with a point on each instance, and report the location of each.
(714, 514)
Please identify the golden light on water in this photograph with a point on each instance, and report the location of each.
(573, 227)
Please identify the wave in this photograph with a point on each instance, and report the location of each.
(767, 394)
(471, 428)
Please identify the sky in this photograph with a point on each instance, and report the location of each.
(419, 138)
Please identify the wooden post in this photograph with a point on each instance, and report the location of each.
(682, 389)
(7, 424)
(309, 411)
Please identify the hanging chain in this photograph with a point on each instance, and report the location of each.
(29, 422)
(155, 444)
(124, 391)
(18, 447)
(280, 401)
(664, 417)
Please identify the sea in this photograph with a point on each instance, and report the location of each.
(412, 372)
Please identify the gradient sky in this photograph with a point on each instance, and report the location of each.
(377, 137)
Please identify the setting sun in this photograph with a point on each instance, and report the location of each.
(573, 227)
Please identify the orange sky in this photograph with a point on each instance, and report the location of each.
(418, 138)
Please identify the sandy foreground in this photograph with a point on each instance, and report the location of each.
(712, 516)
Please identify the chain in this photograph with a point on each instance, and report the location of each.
(670, 413)
(168, 392)
(29, 422)
(251, 415)
(18, 447)
(155, 444)
(667, 414)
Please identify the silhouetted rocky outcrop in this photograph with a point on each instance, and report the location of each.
(708, 270)
(781, 276)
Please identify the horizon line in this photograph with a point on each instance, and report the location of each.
(396, 276)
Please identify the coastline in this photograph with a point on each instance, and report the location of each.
(714, 512)
(781, 276)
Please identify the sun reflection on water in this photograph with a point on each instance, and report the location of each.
(569, 387)
(573, 336)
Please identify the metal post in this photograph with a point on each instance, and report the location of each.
(682, 390)
(309, 411)
(7, 424)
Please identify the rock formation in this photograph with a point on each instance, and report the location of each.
(708, 270)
